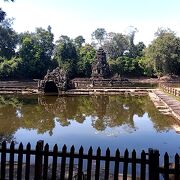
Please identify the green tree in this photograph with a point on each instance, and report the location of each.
(161, 31)
(36, 51)
(99, 35)
(116, 45)
(2, 13)
(126, 66)
(140, 49)
(132, 52)
(9, 64)
(85, 60)
(79, 40)
(9, 68)
(147, 66)
(66, 55)
(165, 53)
(8, 39)
(117, 66)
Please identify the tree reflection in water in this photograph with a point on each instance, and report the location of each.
(105, 112)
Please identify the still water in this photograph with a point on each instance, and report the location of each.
(107, 121)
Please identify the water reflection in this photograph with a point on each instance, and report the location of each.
(105, 111)
(41, 113)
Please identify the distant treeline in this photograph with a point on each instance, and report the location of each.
(30, 54)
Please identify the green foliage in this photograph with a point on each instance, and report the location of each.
(135, 50)
(79, 40)
(12, 101)
(36, 50)
(8, 39)
(30, 55)
(132, 48)
(116, 45)
(99, 35)
(126, 66)
(139, 48)
(165, 53)
(2, 15)
(65, 55)
(147, 66)
(9, 68)
(116, 66)
(85, 60)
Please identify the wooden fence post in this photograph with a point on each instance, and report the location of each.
(177, 167)
(89, 163)
(45, 166)
(125, 167)
(54, 162)
(3, 160)
(107, 164)
(63, 163)
(97, 171)
(11, 161)
(80, 164)
(38, 160)
(116, 168)
(166, 166)
(71, 162)
(151, 166)
(28, 159)
(156, 164)
(134, 165)
(20, 161)
(143, 165)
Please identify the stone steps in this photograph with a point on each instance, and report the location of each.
(172, 104)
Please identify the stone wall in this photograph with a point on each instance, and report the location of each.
(98, 83)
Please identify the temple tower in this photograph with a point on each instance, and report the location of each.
(100, 68)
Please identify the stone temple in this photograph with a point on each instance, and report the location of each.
(58, 82)
(100, 68)
(54, 82)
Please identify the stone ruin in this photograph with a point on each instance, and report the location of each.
(100, 68)
(55, 81)
(101, 76)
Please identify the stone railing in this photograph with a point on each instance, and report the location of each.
(171, 90)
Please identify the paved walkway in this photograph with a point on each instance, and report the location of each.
(172, 103)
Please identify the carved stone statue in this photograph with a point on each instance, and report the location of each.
(100, 68)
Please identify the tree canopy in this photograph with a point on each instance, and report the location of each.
(66, 55)
(99, 36)
(116, 45)
(165, 53)
(31, 54)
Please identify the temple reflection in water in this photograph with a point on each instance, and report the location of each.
(113, 121)
(104, 111)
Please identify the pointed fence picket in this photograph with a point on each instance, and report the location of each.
(18, 163)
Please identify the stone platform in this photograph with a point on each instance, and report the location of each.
(169, 104)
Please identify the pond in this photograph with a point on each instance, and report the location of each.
(121, 122)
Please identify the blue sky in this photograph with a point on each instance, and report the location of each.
(82, 17)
